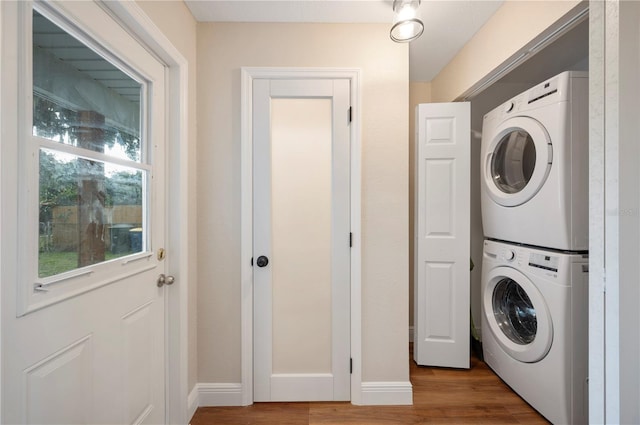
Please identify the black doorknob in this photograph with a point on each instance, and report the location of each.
(262, 261)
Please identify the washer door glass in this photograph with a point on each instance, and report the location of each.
(513, 161)
(517, 160)
(514, 312)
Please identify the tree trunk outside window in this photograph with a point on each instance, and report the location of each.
(91, 191)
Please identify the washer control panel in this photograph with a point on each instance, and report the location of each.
(512, 255)
(553, 265)
(522, 257)
(544, 261)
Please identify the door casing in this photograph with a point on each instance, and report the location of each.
(248, 74)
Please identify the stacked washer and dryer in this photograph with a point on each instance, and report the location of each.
(535, 263)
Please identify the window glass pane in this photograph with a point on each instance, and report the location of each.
(90, 212)
(76, 91)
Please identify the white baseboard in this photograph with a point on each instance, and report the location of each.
(192, 402)
(219, 394)
(373, 393)
(387, 393)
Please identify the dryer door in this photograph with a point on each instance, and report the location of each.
(517, 315)
(517, 161)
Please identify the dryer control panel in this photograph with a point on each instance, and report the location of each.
(553, 90)
(543, 90)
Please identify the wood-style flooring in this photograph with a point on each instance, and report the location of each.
(440, 396)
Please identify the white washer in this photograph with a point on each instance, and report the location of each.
(535, 326)
(534, 165)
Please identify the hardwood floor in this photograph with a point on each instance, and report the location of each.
(440, 396)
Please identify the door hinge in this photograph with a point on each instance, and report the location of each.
(351, 365)
(350, 113)
(350, 240)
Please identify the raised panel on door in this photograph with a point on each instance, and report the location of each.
(442, 240)
(140, 363)
(438, 218)
(438, 318)
(59, 389)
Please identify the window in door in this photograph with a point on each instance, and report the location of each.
(86, 145)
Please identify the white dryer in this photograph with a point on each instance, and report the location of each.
(535, 326)
(534, 165)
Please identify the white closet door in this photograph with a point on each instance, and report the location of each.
(301, 240)
(442, 235)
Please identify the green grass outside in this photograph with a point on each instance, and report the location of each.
(52, 263)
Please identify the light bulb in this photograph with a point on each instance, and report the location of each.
(406, 12)
(406, 25)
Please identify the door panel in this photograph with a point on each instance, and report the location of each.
(137, 341)
(301, 213)
(86, 334)
(59, 388)
(301, 223)
(442, 235)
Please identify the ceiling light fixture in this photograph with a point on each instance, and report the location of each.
(406, 25)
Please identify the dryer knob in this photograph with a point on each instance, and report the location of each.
(509, 255)
(508, 107)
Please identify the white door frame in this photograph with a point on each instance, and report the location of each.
(138, 24)
(1, 230)
(246, 244)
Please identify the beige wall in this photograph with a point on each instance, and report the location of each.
(513, 26)
(179, 26)
(222, 50)
(419, 92)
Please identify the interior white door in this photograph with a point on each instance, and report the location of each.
(83, 325)
(442, 235)
(301, 240)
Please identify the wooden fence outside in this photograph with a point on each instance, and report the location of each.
(61, 234)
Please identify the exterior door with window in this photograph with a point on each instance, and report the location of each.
(83, 226)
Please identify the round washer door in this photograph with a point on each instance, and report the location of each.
(517, 161)
(517, 315)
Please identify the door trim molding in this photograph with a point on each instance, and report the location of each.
(139, 25)
(248, 74)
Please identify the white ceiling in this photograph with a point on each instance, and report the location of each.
(449, 24)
